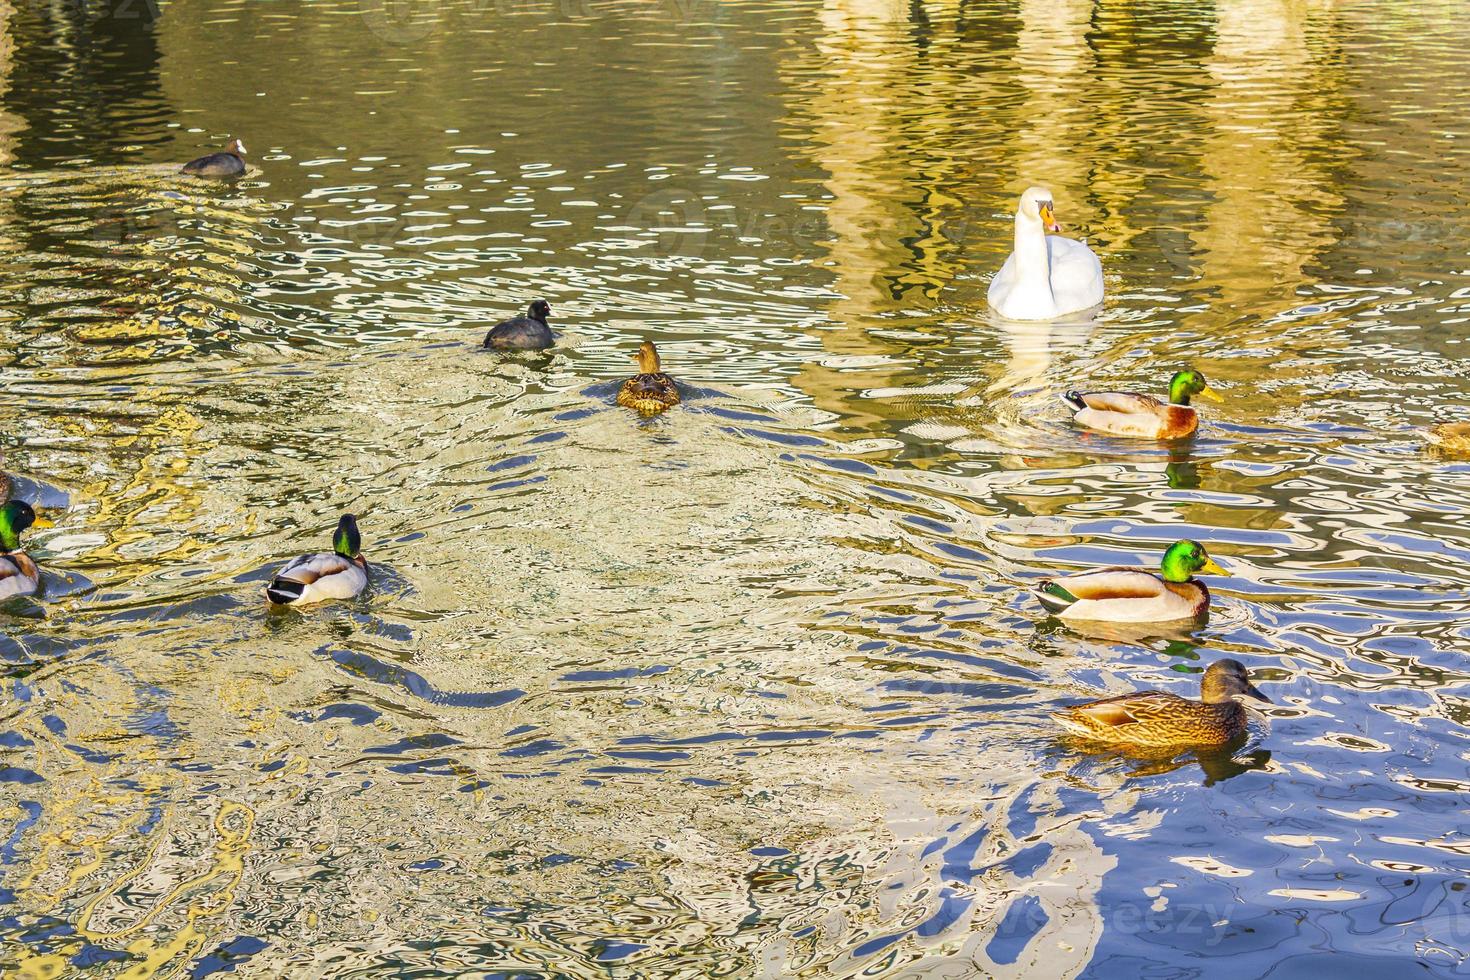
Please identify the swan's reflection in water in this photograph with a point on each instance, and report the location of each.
(1035, 349)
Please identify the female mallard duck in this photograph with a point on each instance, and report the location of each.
(1125, 414)
(1131, 595)
(1046, 276)
(1450, 437)
(312, 578)
(528, 332)
(230, 162)
(650, 391)
(1158, 719)
(18, 573)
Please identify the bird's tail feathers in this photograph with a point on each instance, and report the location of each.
(283, 591)
(1053, 596)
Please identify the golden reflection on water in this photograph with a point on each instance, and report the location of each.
(1275, 119)
(852, 138)
(755, 686)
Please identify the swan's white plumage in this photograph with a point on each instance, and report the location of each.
(1046, 276)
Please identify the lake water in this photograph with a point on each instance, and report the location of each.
(753, 688)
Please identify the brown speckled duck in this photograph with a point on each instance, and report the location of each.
(650, 391)
(1452, 438)
(1158, 719)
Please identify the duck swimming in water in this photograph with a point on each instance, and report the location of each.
(230, 162)
(341, 574)
(1132, 595)
(1451, 438)
(650, 391)
(1158, 719)
(1122, 413)
(18, 573)
(528, 332)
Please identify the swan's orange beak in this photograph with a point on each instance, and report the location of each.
(1049, 218)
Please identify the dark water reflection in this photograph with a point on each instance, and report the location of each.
(751, 688)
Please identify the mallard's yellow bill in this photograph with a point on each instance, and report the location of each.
(1213, 568)
(1211, 394)
(42, 522)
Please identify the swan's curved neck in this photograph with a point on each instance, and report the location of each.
(1033, 265)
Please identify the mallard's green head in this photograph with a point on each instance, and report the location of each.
(347, 542)
(15, 517)
(1186, 384)
(1225, 679)
(1184, 558)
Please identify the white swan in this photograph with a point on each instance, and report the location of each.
(1046, 276)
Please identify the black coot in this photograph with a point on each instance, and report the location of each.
(528, 332)
(228, 163)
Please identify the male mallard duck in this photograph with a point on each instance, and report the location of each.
(312, 578)
(1131, 595)
(1046, 276)
(1450, 437)
(18, 573)
(1125, 414)
(528, 332)
(229, 162)
(650, 391)
(1158, 718)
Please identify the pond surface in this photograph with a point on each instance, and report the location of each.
(754, 688)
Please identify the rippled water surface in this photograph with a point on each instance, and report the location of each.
(753, 688)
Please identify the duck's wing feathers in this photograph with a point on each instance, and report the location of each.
(1083, 590)
(1123, 402)
(18, 575)
(1122, 595)
(1133, 709)
(1113, 583)
(309, 568)
(314, 577)
(1154, 718)
(649, 394)
(1145, 717)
